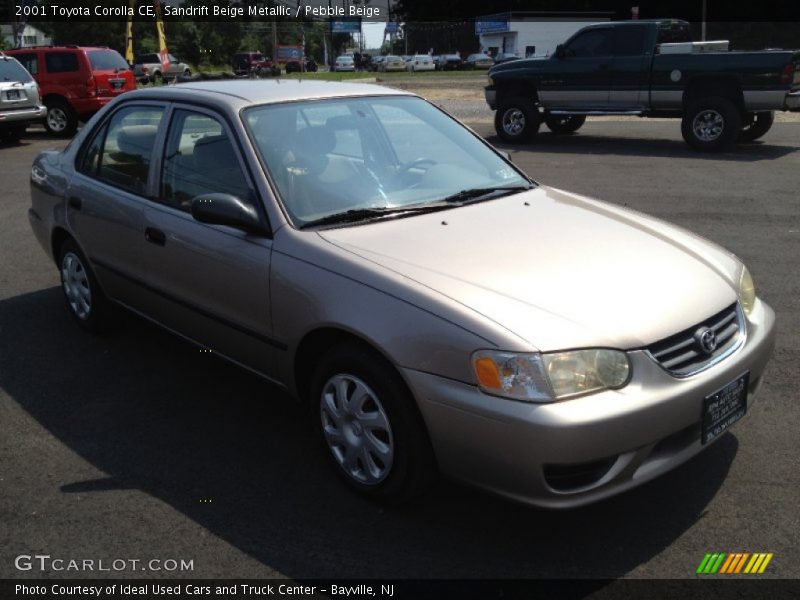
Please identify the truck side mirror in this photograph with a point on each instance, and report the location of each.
(561, 51)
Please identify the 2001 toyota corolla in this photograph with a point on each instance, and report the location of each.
(437, 309)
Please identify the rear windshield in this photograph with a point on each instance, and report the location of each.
(11, 70)
(106, 60)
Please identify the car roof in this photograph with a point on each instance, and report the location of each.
(236, 94)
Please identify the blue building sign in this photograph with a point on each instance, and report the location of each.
(492, 24)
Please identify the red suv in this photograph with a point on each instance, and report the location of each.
(75, 82)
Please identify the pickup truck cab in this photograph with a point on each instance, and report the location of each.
(649, 69)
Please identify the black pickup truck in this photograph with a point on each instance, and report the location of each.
(649, 69)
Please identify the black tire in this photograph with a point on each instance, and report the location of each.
(564, 123)
(711, 124)
(187, 72)
(517, 120)
(61, 119)
(95, 315)
(411, 470)
(157, 78)
(755, 125)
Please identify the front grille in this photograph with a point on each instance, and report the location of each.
(682, 355)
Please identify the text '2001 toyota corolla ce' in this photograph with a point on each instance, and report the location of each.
(437, 309)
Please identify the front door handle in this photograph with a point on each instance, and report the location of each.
(155, 236)
(75, 202)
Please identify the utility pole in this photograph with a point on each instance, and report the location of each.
(703, 24)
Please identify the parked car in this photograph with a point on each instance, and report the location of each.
(149, 68)
(344, 63)
(254, 63)
(75, 82)
(450, 62)
(20, 104)
(649, 69)
(420, 62)
(504, 57)
(391, 286)
(309, 65)
(478, 61)
(375, 63)
(392, 63)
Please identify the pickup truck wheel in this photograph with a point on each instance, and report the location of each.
(756, 125)
(711, 124)
(61, 120)
(517, 120)
(369, 425)
(564, 123)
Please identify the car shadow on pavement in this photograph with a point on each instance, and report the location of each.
(584, 143)
(157, 415)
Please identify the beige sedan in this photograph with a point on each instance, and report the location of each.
(436, 310)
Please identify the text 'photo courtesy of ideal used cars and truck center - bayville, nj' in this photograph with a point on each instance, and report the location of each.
(379, 222)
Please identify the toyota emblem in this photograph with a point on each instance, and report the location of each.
(706, 339)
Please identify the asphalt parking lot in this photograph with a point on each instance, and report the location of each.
(136, 445)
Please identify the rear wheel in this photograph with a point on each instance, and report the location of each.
(517, 120)
(711, 124)
(61, 119)
(370, 425)
(564, 123)
(85, 300)
(755, 125)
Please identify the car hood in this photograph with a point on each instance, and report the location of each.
(556, 269)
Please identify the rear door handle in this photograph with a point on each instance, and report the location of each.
(75, 202)
(155, 236)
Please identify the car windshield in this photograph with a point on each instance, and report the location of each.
(361, 156)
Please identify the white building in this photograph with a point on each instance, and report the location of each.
(531, 33)
(30, 36)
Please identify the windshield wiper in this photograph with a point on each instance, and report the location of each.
(480, 194)
(362, 214)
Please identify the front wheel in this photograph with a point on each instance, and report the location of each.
(711, 124)
(517, 120)
(370, 425)
(564, 123)
(756, 125)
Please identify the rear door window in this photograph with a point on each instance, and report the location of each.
(121, 151)
(61, 62)
(629, 40)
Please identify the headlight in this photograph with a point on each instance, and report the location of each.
(549, 377)
(747, 291)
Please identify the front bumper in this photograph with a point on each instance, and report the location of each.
(491, 98)
(23, 115)
(637, 433)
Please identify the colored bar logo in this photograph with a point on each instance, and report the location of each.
(734, 563)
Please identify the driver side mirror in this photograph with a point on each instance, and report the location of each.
(226, 209)
(561, 52)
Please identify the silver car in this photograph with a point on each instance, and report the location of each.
(436, 309)
(20, 103)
